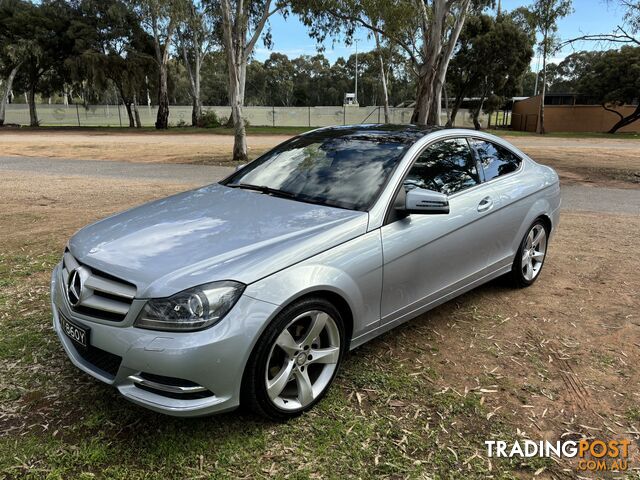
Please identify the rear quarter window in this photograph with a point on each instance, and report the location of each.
(495, 159)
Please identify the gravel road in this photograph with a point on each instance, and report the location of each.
(574, 197)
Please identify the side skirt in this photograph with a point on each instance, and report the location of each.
(364, 338)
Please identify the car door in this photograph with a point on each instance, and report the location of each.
(427, 257)
(501, 167)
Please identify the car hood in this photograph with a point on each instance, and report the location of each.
(212, 233)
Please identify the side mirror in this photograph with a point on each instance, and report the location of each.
(240, 166)
(421, 201)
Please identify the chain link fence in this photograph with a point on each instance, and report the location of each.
(116, 115)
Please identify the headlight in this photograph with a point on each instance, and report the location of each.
(192, 309)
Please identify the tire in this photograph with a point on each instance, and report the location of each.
(530, 256)
(295, 360)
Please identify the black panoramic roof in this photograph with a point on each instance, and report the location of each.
(376, 132)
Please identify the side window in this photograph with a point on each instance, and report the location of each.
(495, 159)
(447, 167)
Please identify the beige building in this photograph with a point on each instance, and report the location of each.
(565, 113)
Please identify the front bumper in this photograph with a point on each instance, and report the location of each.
(213, 358)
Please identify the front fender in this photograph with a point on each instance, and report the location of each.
(352, 270)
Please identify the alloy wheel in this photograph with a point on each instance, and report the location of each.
(302, 360)
(535, 248)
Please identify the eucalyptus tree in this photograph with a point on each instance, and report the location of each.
(112, 50)
(546, 14)
(161, 19)
(613, 78)
(13, 48)
(198, 34)
(243, 22)
(45, 43)
(426, 30)
(493, 56)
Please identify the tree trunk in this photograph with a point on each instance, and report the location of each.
(476, 113)
(628, 120)
(196, 115)
(136, 113)
(383, 76)
(33, 113)
(454, 111)
(127, 106)
(162, 119)
(540, 128)
(194, 80)
(446, 103)
(424, 92)
(7, 91)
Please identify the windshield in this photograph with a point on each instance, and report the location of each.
(345, 171)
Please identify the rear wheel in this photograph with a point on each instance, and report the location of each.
(531, 254)
(295, 360)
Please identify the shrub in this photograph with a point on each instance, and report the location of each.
(209, 119)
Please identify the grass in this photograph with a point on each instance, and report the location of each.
(380, 419)
(251, 130)
(291, 130)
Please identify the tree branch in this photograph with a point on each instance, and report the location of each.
(258, 30)
(362, 22)
(622, 37)
(612, 111)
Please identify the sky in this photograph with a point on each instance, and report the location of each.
(589, 17)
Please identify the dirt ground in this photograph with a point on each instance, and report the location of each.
(558, 360)
(597, 161)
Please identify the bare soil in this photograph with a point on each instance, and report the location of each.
(597, 161)
(560, 359)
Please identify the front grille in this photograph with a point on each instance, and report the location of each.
(101, 359)
(101, 295)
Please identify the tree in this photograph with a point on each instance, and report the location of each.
(426, 30)
(546, 14)
(197, 36)
(161, 19)
(492, 57)
(242, 25)
(46, 44)
(280, 79)
(112, 50)
(13, 48)
(565, 76)
(614, 80)
(383, 76)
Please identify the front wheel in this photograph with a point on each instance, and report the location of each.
(295, 360)
(531, 254)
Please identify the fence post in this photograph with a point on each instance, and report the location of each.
(119, 115)
(344, 115)
(78, 114)
(273, 114)
(309, 107)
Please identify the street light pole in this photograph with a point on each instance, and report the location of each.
(356, 92)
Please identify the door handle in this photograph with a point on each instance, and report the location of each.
(485, 204)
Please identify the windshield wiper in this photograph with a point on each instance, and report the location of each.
(263, 189)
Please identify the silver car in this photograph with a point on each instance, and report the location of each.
(253, 289)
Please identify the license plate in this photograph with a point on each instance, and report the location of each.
(79, 335)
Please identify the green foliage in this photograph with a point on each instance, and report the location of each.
(209, 119)
(613, 76)
(614, 79)
(493, 56)
(545, 15)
